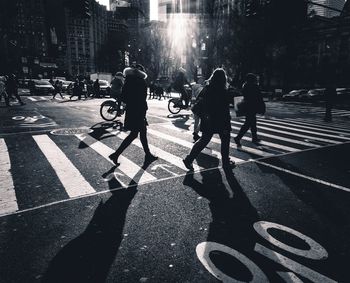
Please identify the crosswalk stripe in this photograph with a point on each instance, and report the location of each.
(189, 144)
(292, 134)
(159, 152)
(70, 177)
(126, 166)
(32, 98)
(254, 151)
(318, 124)
(43, 98)
(275, 137)
(8, 200)
(301, 130)
(300, 126)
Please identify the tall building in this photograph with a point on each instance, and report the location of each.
(323, 11)
(23, 41)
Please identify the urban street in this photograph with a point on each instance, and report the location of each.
(281, 214)
(185, 141)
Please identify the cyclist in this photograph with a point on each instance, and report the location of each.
(116, 89)
(179, 86)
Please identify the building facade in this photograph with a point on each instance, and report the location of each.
(324, 11)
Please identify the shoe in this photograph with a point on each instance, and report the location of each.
(114, 158)
(150, 158)
(256, 141)
(229, 165)
(237, 141)
(188, 164)
(196, 137)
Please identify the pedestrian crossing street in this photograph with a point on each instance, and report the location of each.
(44, 169)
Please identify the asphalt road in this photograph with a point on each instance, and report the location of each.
(68, 215)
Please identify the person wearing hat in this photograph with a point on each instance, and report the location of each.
(134, 94)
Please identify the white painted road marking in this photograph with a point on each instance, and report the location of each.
(126, 166)
(8, 200)
(70, 177)
(177, 161)
(345, 189)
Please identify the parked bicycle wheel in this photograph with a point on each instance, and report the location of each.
(108, 110)
(174, 105)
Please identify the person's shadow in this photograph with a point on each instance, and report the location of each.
(233, 217)
(100, 131)
(89, 257)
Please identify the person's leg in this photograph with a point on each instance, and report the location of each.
(225, 149)
(18, 98)
(196, 149)
(126, 142)
(196, 127)
(149, 157)
(245, 127)
(254, 129)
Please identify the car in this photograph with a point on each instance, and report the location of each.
(105, 87)
(40, 87)
(315, 94)
(297, 94)
(65, 85)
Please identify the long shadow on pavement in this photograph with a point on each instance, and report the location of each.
(89, 257)
(233, 217)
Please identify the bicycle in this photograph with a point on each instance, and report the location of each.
(109, 110)
(175, 105)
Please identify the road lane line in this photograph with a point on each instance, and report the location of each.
(8, 200)
(308, 144)
(70, 177)
(159, 152)
(190, 145)
(301, 126)
(270, 144)
(321, 123)
(126, 166)
(247, 149)
(292, 134)
(301, 130)
(328, 184)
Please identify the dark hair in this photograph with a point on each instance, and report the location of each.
(218, 78)
(140, 67)
(251, 78)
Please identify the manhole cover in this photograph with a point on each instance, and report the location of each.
(71, 131)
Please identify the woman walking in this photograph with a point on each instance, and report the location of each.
(252, 105)
(215, 119)
(134, 94)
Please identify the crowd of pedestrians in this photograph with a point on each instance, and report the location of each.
(9, 89)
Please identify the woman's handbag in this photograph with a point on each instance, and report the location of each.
(261, 109)
(241, 108)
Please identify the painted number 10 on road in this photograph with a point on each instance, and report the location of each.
(315, 252)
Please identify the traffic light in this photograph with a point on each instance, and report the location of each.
(85, 8)
(252, 8)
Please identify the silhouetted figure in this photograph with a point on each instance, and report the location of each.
(97, 88)
(179, 85)
(215, 119)
(3, 92)
(330, 94)
(12, 88)
(252, 103)
(196, 95)
(58, 89)
(116, 88)
(134, 94)
(75, 91)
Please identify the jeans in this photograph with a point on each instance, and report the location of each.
(249, 123)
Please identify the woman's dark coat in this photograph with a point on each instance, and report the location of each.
(216, 118)
(134, 94)
(252, 98)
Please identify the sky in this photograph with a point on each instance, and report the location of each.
(104, 2)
